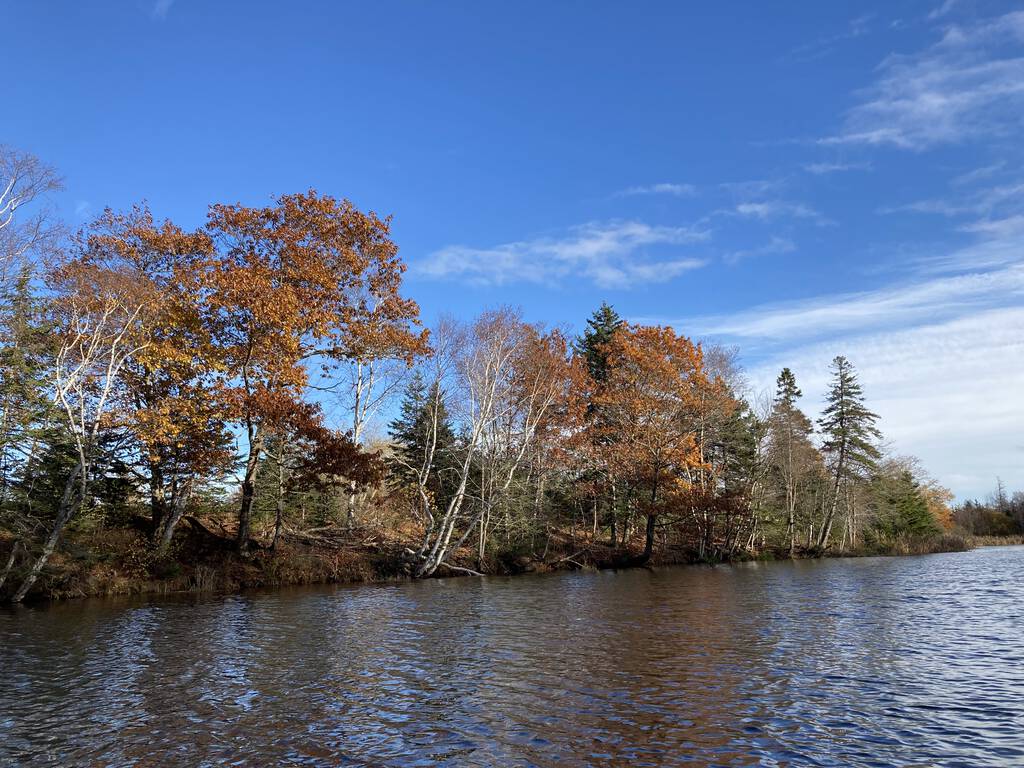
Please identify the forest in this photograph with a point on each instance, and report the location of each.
(256, 402)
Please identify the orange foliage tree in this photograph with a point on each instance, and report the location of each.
(169, 398)
(289, 288)
(654, 387)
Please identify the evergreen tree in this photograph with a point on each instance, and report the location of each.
(423, 425)
(791, 447)
(25, 354)
(850, 435)
(738, 437)
(601, 326)
(593, 346)
(900, 509)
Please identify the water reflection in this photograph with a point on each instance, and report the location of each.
(913, 661)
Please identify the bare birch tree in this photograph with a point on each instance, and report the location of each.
(98, 337)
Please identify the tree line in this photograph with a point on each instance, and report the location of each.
(235, 374)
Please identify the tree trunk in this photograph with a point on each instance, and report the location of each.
(791, 523)
(826, 524)
(157, 501)
(64, 513)
(649, 538)
(172, 517)
(252, 466)
(10, 563)
(279, 513)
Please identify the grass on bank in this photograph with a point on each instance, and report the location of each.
(119, 561)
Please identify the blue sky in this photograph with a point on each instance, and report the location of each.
(799, 179)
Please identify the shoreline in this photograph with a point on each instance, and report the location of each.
(204, 563)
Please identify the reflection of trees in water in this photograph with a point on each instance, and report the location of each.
(888, 659)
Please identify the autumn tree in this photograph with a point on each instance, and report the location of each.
(100, 324)
(307, 282)
(653, 389)
(727, 436)
(540, 376)
(505, 377)
(169, 388)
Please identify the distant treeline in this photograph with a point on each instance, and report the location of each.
(235, 377)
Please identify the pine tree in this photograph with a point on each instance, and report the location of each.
(423, 425)
(790, 445)
(592, 345)
(26, 348)
(900, 508)
(601, 326)
(850, 434)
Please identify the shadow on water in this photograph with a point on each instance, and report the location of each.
(870, 661)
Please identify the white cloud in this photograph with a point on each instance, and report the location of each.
(665, 188)
(982, 202)
(161, 8)
(970, 84)
(774, 246)
(823, 46)
(1000, 229)
(766, 210)
(753, 188)
(948, 392)
(929, 300)
(978, 174)
(942, 10)
(608, 254)
(819, 169)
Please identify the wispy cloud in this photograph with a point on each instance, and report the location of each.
(942, 10)
(608, 254)
(969, 84)
(931, 299)
(753, 188)
(774, 246)
(941, 356)
(766, 210)
(823, 46)
(820, 169)
(665, 188)
(978, 174)
(984, 202)
(938, 387)
(161, 8)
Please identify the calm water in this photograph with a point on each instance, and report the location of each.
(903, 661)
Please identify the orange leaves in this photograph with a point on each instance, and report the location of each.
(309, 277)
(644, 414)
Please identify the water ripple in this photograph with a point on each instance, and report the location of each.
(872, 662)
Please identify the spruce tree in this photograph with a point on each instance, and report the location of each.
(601, 326)
(850, 435)
(900, 509)
(592, 345)
(26, 351)
(790, 445)
(423, 425)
